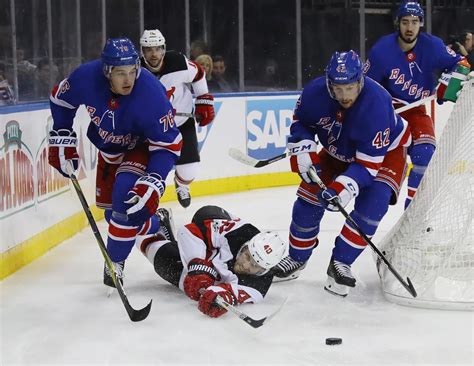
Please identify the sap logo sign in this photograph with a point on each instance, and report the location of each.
(268, 126)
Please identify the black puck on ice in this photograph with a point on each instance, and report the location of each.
(333, 341)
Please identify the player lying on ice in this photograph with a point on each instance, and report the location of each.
(216, 254)
(133, 128)
(363, 157)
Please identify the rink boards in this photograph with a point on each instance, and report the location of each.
(39, 208)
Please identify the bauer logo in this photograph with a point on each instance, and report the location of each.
(268, 126)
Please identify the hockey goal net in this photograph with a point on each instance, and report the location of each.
(432, 243)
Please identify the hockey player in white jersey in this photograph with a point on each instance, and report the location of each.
(179, 75)
(216, 254)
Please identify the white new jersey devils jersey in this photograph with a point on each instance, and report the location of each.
(181, 77)
(220, 244)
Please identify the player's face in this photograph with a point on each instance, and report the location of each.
(346, 94)
(244, 263)
(409, 28)
(122, 79)
(153, 55)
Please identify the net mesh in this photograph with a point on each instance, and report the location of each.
(432, 243)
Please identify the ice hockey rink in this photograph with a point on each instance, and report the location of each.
(55, 311)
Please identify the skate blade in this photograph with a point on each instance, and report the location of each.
(293, 276)
(336, 289)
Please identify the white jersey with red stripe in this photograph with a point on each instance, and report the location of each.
(179, 75)
(220, 244)
(360, 135)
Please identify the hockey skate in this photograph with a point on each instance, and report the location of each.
(288, 269)
(166, 223)
(119, 267)
(183, 193)
(339, 278)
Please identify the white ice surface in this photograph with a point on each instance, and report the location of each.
(55, 310)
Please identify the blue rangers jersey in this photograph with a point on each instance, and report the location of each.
(360, 135)
(120, 122)
(409, 76)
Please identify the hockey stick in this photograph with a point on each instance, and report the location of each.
(415, 104)
(247, 160)
(135, 315)
(254, 323)
(408, 285)
(184, 114)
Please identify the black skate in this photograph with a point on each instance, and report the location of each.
(339, 278)
(184, 196)
(119, 267)
(287, 269)
(166, 223)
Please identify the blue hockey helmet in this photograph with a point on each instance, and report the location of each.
(344, 68)
(412, 8)
(119, 52)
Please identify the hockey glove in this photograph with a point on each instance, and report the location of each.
(204, 109)
(342, 190)
(201, 275)
(303, 156)
(207, 303)
(62, 151)
(144, 198)
(443, 85)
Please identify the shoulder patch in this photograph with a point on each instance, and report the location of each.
(174, 61)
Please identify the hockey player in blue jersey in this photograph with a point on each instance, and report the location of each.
(133, 128)
(405, 63)
(363, 157)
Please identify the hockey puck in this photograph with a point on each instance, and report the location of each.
(333, 341)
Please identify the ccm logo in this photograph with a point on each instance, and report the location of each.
(302, 148)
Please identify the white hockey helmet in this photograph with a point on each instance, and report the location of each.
(152, 38)
(267, 249)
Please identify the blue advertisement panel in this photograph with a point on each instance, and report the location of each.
(203, 132)
(268, 126)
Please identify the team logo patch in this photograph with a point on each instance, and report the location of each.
(411, 56)
(113, 104)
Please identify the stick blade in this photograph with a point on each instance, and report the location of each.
(141, 314)
(135, 315)
(238, 155)
(411, 288)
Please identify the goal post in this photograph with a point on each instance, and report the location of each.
(432, 242)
